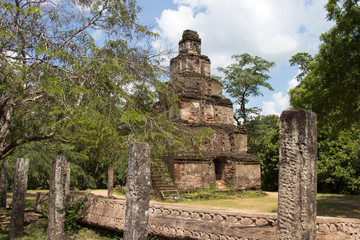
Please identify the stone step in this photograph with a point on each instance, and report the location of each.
(169, 191)
(162, 181)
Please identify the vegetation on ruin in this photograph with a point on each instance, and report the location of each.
(215, 193)
(243, 80)
(61, 94)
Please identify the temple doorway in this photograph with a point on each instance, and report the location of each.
(219, 172)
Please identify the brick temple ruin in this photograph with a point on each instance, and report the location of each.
(224, 159)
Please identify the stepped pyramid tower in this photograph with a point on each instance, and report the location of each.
(224, 159)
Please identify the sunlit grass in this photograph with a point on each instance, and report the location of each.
(332, 205)
(249, 201)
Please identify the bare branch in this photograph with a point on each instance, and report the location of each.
(91, 22)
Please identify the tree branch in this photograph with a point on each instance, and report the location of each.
(6, 151)
(91, 22)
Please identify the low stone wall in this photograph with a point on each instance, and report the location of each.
(195, 223)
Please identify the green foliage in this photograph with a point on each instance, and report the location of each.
(330, 83)
(263, 135)
(90, 102)
(339, 162)
(56, 81)
(243, 79)
(330, 86)
(338, 156)
(73, 214)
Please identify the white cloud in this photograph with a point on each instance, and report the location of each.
(272, 29)
(293, 82)
(279, 101)
(99, 37)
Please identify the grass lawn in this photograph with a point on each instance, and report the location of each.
(267, 204)
(338, 205)
(331, 205)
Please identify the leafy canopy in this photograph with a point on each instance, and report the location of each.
(263, 141)
(57, 83)
(243, 80)
(329, 82)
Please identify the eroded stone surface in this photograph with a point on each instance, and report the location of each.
(137, 192)
(18, 199)
(297, 175)
(56, 209)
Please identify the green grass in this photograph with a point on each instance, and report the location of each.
(331, 205)
(251, 201)
(338, 205)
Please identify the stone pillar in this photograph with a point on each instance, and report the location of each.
(56, 210)
(110, 182)
(137, 192)
(18, 199)
(3, 182)
(67, 178)
(297, 175)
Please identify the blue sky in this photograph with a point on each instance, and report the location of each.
(272, 29)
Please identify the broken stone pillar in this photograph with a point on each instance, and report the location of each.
(56, 210)
(110, 183)
(137, 192)
(297, 175)
(3, 182)
(18, 198)
(67, 179)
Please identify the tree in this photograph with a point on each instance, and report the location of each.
(57, 84)
(263, 141)
(243, 80)
(338, 161)
(52, 71)
(330, 84)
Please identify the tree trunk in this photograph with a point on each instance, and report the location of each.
(3, 182)
(110, 183)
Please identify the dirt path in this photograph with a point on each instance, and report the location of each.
(104, 193)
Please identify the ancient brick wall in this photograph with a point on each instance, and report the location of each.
(203, 111)
(196, 223)
(191, 175)
(202, 106)
(247, 176)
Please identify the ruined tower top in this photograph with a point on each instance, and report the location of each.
(190, 60)
(201, 95)
(190, 43)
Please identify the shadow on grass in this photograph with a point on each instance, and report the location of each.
(346, 206)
